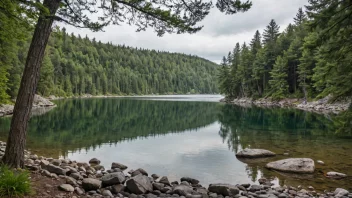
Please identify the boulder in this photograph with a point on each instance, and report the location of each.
(141, 171)
(335, 175)
(163, 180)
(139, 184)
(118, 188)
(113, 178)
(55, 169)
(158, 186)
(294, 165)
(89, 184)
(94, 161)
(182, 190)
(66, 187)
(224, 189)
(254, 153)
(190, 180)
(118, 165)
(340, 192)
(56, 162)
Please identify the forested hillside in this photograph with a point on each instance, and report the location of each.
(310, 59)
(75, 66)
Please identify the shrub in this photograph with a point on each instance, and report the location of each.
(14, 183)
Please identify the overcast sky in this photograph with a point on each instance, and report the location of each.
(216, 39)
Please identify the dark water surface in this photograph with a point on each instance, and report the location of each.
(189, 136)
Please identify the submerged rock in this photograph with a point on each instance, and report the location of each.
(224, 189)
(335, 175)
(340, 192)
(255, 153)
(294, 165)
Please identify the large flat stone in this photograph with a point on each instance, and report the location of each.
(255, 153)
(293, 165)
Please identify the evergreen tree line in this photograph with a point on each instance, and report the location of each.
(75, 66)
(310, 59)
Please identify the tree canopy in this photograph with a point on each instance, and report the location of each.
(310, 58)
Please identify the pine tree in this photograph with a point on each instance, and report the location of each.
(278, 83)
(300, 17)
(256, 43)
(271, 32)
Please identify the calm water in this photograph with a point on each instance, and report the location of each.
(189, 136)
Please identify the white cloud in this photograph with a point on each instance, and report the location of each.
(219, 35)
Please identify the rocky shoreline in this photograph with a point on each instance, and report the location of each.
(40, 105)
(319, 106)
(81, 179)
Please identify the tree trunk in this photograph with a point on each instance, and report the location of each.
(16, 142)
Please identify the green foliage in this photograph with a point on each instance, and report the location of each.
(278, 83)
(311, 56)
(76, 66)
(14, 183)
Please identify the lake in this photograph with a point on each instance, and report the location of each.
(193, 136)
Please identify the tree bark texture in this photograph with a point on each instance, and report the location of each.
(16, 142)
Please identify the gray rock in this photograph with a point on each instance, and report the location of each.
(113, 178)
(142, 171)
(182, 190)
(224, 189)
(70, 180)
(340, 192)
(163, 180)
(190, 180)
(66, 187)
(55, 169)
(149, 195)
(89, 184)
(158, 186)
(295, 165)
(254, 153)
(94, 161)
(283, 195)
(139, 184)
(255, 188)
(107, 193)
(335, 175)
(76, 176)
(320, 162)
(56, 162)
(155, 176)
(118, 165)
(98, 167)
(33, 157)
(118, 188)
(79, 191)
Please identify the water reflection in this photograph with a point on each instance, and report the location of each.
(80, 124)
(182, 137)
(298, 133)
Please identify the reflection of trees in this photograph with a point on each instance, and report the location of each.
(303, 133)
(244, 127)
(76, 124)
